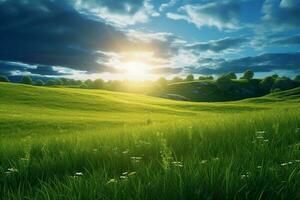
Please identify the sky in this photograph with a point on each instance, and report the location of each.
(147, 39)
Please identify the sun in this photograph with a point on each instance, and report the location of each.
(136, 70)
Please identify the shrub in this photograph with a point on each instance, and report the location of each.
(205, 78)
(224, 83)
(267, 83)
(283, 83)
(39, 83)
(26, 80)
(190, 77)
(98, 84)
(248, 74)
(4, 79)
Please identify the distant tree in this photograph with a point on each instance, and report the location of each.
(4, 79)
(231, 75)
(248, 74)
(190, 77)
(39, 83)
(283, 83)
(98, 84)
(205, 78)
(176, 79)
(84, 85)
(297, 78)
(59, 82)
(64, 81)
(162, 82)
(267, 83)
(224, 83)
(275, 76)
(51, 82)
(26, 80)
(88, 83)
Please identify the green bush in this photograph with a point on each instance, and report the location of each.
(4, 79)
(39, 83)
(26, 80)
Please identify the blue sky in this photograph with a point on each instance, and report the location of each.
(146, 39)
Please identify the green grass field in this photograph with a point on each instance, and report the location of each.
(63, 143)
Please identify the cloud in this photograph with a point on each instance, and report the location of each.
(166, 70)
(17, 68)
(121, 13)
(261, 63)
(53, 33)
(223, 15)
(169, 4)
(291, 40)
(282, 14)
(217, 45)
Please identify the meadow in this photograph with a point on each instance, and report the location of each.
(65, 143)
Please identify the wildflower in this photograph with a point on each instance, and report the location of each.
(124, 173)
(290, 162)
(260, 132)
(203, 161)
(78, 174)
(246, 175)
(112, 180)
(259, 167)
(266, 140)
(11, 170)
(284, 164)
(131, 173)
(260, 137)
(177, 164)
(123, 177)
(297, 161)
(216, 158)
(125, 152)
(136, 159)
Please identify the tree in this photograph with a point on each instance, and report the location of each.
(205, 78)
(26, 80)
(248, 75)
(98, 84)
(224, 83)
(51, 82)
(230, 75)
(267, 83)
(283, 83)
(176, 79)
(39, 83)
(4, 79)
(190, 77)
(297, 78)
(162, 82)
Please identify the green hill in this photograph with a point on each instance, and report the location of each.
(63, 143)
(211, 91)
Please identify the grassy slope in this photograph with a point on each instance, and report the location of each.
(34, 107)
(226, 150)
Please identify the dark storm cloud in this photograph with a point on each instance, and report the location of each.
(261, 63)
(217, 45)
(53, 33)
(282, 13)
(6, 68)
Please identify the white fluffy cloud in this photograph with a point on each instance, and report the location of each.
(120, 13)
(223, 15)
